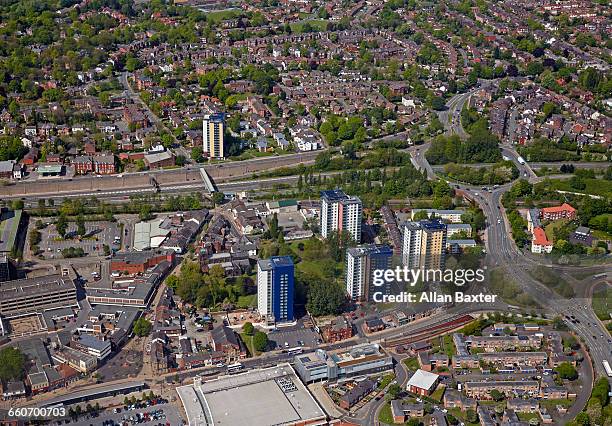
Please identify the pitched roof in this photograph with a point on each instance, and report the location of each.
(563, 207)
(539, 237)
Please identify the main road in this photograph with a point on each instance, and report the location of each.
(503, 251)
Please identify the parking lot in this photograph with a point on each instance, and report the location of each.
(97, 235)
(293, 336)
(169, 417)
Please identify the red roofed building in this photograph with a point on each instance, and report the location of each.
(564, 211)
(540, 244)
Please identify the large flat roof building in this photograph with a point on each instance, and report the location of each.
(360, 360)
(422, 382)
(271, 396)
(35, 295)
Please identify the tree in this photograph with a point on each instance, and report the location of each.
(324, 298)
(471, 416)
(394, 390)
(61, 225)
(497, 395)
(12, 364)
(80, 222)
(17, 205)
(145, 212)
(567, 371)
(197, 154)
(420, 215)
(260, 341)
(601, 390)
(218, 197)
(438, 103)
(583, 419)
(248, 328)
(142, 327)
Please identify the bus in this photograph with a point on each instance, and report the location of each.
(234, 368)
(606, 365)
(294, 351)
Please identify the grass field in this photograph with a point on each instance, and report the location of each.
(316, 24)
(438, 393)
(385, 414)
(247, 301)
(501, 284)
(222, 15)
(525, 417)
(251, 153)
(387, 378)
(602, 302)
(461, 415)
(599, 187)
(552, 280)
(411, 363)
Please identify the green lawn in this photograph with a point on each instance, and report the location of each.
(251, 153)
(438, 393)
(449, 347)
(601, 235)
(600, 187)
(411, 363)
(387, 378)
(222, 15)
(602, 302)
(385, 414)
(460, 415)
(316, 24)
(525, 417)
(247, 301)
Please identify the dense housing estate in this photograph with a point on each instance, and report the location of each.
(198, 198)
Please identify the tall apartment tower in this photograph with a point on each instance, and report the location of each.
(424, 244)
(340, 212)
(275, 288)
(361, 262)
(213, 128)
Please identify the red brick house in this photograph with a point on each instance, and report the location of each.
(82, 164)
(104, 164)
